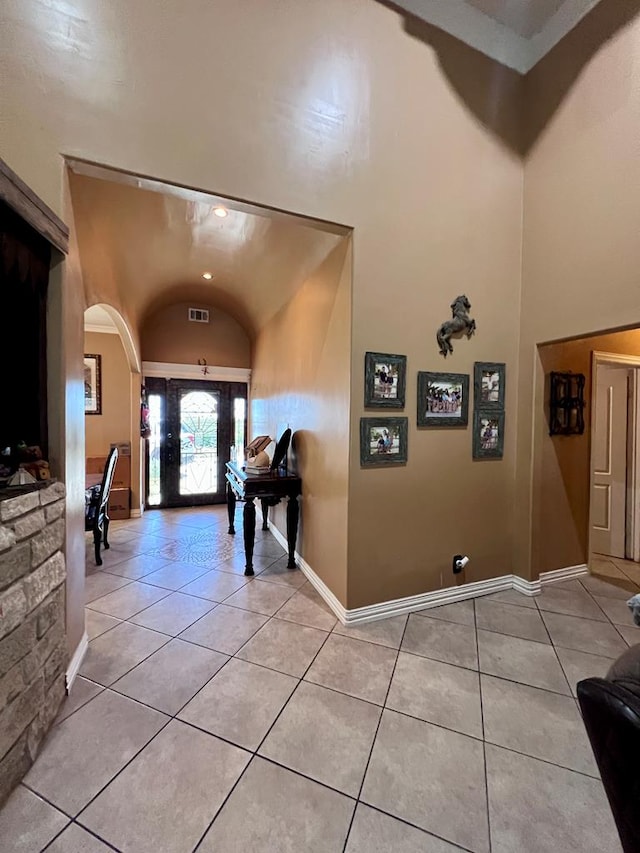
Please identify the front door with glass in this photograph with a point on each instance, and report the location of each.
(194, 424)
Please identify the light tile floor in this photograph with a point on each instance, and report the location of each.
(215, 712)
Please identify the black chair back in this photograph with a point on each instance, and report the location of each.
(611, 715)
(97, 509)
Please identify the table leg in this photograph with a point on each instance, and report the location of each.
(293, 513)
(231, 508)
(265, 513)
(249, 526)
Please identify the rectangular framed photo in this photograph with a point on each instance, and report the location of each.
(488, 434)
(489, 385)
(443, 399)
(383, 441)
(92, 384)
(384, 380)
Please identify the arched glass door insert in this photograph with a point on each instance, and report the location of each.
(198, 447)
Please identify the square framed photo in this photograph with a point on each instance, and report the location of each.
(443, 399)
(384, 380)
(489, 385)
(383, 441)
(488, 434)
(92, 384)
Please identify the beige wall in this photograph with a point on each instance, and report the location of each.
(334, 110)
(114, 424)
(169, 336)
(300, 379)
(448, 222)
(581, 249)
(65, 341)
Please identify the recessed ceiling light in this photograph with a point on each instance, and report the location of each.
(220, 211)
(207, 275)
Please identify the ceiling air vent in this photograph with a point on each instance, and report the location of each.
(198, 315)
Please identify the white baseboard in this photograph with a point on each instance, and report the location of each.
(565, 574)
(426, 600)
(76, 661)
(313, 578)
(316, 581)
(525, 587)
(136, 513)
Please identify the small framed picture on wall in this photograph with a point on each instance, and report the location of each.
(384, 380)
(383, 441)
(443, 399)
(489, 385)
(92, 384)
(488, 434)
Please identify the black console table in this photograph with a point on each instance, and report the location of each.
(269, 489)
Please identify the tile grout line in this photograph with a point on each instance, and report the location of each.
(300, 679)
(170, 719)
(627, 576)
(129, 621)
(131, 668)
(479, 672)
(183, 706)
(178, 636)
(171, 562)
(555, 651)
(324, 630)
(169, 593)
(492, 674)
(484, 736)
(75, 711)
(106, 631)
(174, 542)
(229, 657)
(422, 831)
(542, 760)
(375, 736)
(426, 832)
(255, 752)
(611, 622)
(349, 695)
(585, 618)
(164, 589)
(72, 822)
(43, 797)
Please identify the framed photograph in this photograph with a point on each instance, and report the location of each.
(443, 399)
(92, 384)
(489, 385)
(383, 441)
(384, 380)
(488, 434)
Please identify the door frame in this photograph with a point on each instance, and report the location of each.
(190, 372)
(632, 522)
(169, 370)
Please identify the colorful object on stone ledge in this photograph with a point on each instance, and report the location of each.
(30, 460)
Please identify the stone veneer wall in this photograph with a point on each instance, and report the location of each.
(33, 654)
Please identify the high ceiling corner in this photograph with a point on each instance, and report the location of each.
(516, 33)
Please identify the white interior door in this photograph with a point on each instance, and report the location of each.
(609, 459)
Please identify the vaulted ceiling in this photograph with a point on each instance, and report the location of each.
(150, 243)
(516, 33)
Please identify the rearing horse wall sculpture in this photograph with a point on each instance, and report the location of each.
(461, 323)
